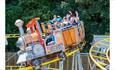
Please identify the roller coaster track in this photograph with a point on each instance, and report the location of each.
(12, 35)
(99, 53)
(107, 54)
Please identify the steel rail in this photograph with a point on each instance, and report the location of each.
(99, 64)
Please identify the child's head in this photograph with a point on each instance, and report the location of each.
(54, 16)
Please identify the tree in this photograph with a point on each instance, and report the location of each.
(94, 14)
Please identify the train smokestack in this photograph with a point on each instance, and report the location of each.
(19, 23)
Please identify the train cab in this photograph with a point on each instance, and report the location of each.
(54, 42)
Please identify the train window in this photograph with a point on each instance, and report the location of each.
(50, 39)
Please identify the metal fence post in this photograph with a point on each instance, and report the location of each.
(61, 65)
(73, 59)
(79, 61)
(76, 62)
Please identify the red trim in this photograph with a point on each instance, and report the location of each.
(32, 24)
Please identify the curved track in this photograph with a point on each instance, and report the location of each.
(99, 53)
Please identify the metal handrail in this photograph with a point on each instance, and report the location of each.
(12, 35)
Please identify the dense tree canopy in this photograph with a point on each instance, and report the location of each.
(94, 14)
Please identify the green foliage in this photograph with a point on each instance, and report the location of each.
(94, 13)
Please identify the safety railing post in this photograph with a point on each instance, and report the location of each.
(79, 61)
(11, 68)
(76, 62)
(91, 65)
(48, 66)
(67, 63)
(61, 65)
(73, 59)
